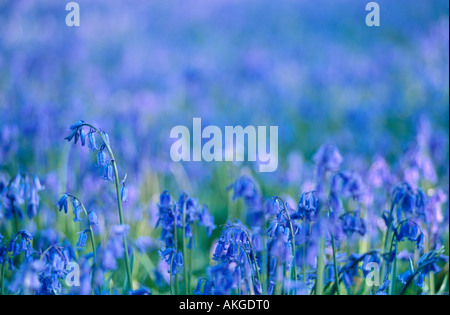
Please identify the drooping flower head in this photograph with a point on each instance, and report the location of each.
(327, 159)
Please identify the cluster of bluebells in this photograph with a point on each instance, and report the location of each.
(247, 189)
(20, 243)
(181, 215)
(279, 252)
(53, 268)
(78, 133)
(237, 268)
(20, 190)
(91, 219)
(337, 205)
(281, 236)
(41, 271)
(337, 211)
(426, 265)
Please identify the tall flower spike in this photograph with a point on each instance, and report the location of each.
(110, 172)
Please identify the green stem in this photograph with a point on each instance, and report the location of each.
(288, 217)
(286, 275)
(293, 249)
(386, 240)
(253, 255)
(191, 253)
(2, 284)
(304, 270)
(175, 237)
(16, 222)
(279, 285)
(94, 248)
(268, 268)
(320, 268)
(432, 283)
(249, 277)
(351, 266)
(393, 275)
(171, 274)
(119, 203)
(186, 290)
(336, 274)
(408, 282)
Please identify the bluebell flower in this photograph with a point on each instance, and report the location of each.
(62, 203)
(427, 264)
(236, 260)
(207, 287)
(247, 189)
(141, 291)
(93, 218)
(92, 142)
(22, 188)
(174, 259)
(207, 220)
(3, 252)
(109, 261)
(353, 223)
(82, 137)
(410, 230)
(72, 134)
(383, 287)
(75, 131)
(348, 184)
(166, 218)
(108, 172)
(379, 174)
(101, 160)
(198, 288)
(308, 206)
(54, 270)
(20, 243)
(327, 159)
(82, 239)
(405, 276)
(76, 125)
(106, 137)
(421, 203)
(77, 210)
(31, 210)
(124, 193)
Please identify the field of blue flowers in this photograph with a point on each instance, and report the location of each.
(92, 203)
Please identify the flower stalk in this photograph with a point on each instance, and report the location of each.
(107, 145)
